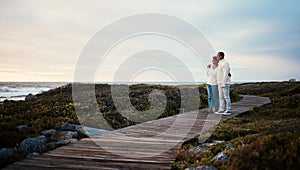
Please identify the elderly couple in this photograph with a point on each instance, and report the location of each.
(218, 85)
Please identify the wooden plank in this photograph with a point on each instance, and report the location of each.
(116, 151)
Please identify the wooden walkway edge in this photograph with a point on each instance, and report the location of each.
(150, 145)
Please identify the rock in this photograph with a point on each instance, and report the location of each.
(71, 134)
(30, 96)
(229, 146)
(31, 145)
(203, 167)
(66, 127)
(34, 154)
(22, 127)
(218, 141)
(197, 149)
(54, 145)
(77, 127)
(82, 133)
(208, 144)
(6, 152)
(63, 135)
(91, 132)
(222, 156)
(215, 142)
(49, 133)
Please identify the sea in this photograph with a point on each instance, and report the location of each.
(19, 90)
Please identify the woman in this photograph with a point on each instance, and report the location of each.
(212, 86)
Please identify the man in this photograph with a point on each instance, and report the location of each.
(224, 81)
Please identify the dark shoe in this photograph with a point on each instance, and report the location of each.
(219, 112)
(227, 113)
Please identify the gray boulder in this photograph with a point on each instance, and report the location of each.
(218, 141)
(71, 134)
(6, 152)
(30, 96)
(229, 146)
(78, 127)
(215, 142)
(53, 145)
(34, 154)
(22, 127)
(31, 145)
(222, 156)
(91, 132)
(49, 133)
(63, 135)
(66, 127)
(203, 167)
(197, 149)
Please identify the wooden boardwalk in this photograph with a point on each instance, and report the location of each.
(151, 145)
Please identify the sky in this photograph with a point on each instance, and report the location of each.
(43, 40)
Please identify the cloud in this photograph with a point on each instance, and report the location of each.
(46, 37)
(9, 70)
(263, 67)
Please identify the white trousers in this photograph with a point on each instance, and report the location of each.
(224, 96)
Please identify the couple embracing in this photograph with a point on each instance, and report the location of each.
(218, 85)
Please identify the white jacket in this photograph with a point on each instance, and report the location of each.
(223, 70)
(212, 76)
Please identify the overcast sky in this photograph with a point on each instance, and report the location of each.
(41, 40)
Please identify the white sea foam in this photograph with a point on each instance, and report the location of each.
(19, 90)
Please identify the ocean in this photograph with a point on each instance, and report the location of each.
(19, 90)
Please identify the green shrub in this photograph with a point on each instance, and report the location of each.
(267, 137)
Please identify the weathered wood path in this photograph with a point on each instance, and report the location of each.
(150, 145)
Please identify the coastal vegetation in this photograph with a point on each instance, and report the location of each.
(266, 134)
(267, 137)
(56, 107)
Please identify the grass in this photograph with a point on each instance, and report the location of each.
(267, 137)
(56, 107)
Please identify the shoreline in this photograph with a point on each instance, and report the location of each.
(53, 85)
